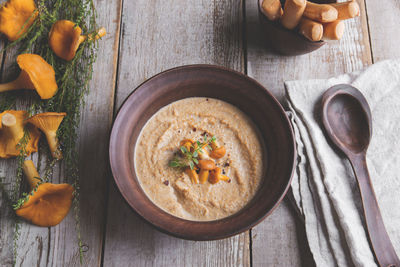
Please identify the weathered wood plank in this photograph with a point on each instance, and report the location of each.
(158, 35)
(384, 30)
(57, 246)
(349, 54)
(93, 150)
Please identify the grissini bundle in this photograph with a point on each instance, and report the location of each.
(314, 21)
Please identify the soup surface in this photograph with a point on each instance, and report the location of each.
(171, 188)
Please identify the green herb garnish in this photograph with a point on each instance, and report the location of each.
(190, 157)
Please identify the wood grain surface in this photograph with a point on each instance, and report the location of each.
(156, 35)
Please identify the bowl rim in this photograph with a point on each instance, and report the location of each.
(257, 220)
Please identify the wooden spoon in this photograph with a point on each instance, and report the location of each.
(346, 117)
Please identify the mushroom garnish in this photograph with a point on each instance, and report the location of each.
(65, 38)
(218, 151)
(216, 176)
(47, 204)
(48, 123)
(36, 74)
(196, 161)
(16, 16)
(12, 133)
(205, 166)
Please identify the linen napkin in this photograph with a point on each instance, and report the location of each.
(324, 186)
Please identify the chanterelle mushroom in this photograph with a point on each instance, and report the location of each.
(65, 38)
(216, 176)
(218, 151)
(11, 132)
(16, 16)
(49, 204)
(36, 74)
(205, 166)
(48, 123)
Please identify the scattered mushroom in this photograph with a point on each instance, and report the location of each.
(48, 123)
(11, 132)
(48, 203)
(16, 16)
(205, 166)
(218, 151)
(65, 38)
(216, 176)
(36, 74)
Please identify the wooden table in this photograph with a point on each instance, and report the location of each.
(146, 37)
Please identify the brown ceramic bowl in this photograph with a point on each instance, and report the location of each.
(284, 41)
(214, 82)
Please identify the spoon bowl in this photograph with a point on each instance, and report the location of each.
(346, 117)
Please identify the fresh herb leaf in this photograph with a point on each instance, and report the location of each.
(191, 164)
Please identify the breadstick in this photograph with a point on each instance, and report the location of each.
(310, 29)
(320, 12)
(333, 30)
(347, 10)
(292, 13)
(273, 9)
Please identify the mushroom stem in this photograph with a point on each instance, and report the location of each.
(11, 127)
(203, 176)
(31, 173)
(22, 82)
(52, 140)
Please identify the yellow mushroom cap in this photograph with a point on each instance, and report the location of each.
(47, 121)
(8, 143)
(16, 16)
(65, 38)
(49, 205)
(41, 75)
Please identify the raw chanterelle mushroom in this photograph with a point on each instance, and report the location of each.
(11, 132)
(49, 204)
(36, 74)
(65, 38)
(48, 123)
(16, 16)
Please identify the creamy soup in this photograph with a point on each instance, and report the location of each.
(195, 118)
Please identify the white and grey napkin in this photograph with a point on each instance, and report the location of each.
(324, 185)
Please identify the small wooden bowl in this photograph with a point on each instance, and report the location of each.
(214, 82)
(284, 41)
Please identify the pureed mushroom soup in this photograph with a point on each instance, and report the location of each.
(201, 125)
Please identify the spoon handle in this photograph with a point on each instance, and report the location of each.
(381, 244)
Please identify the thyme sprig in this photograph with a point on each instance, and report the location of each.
(25, 196)
(190, 157)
